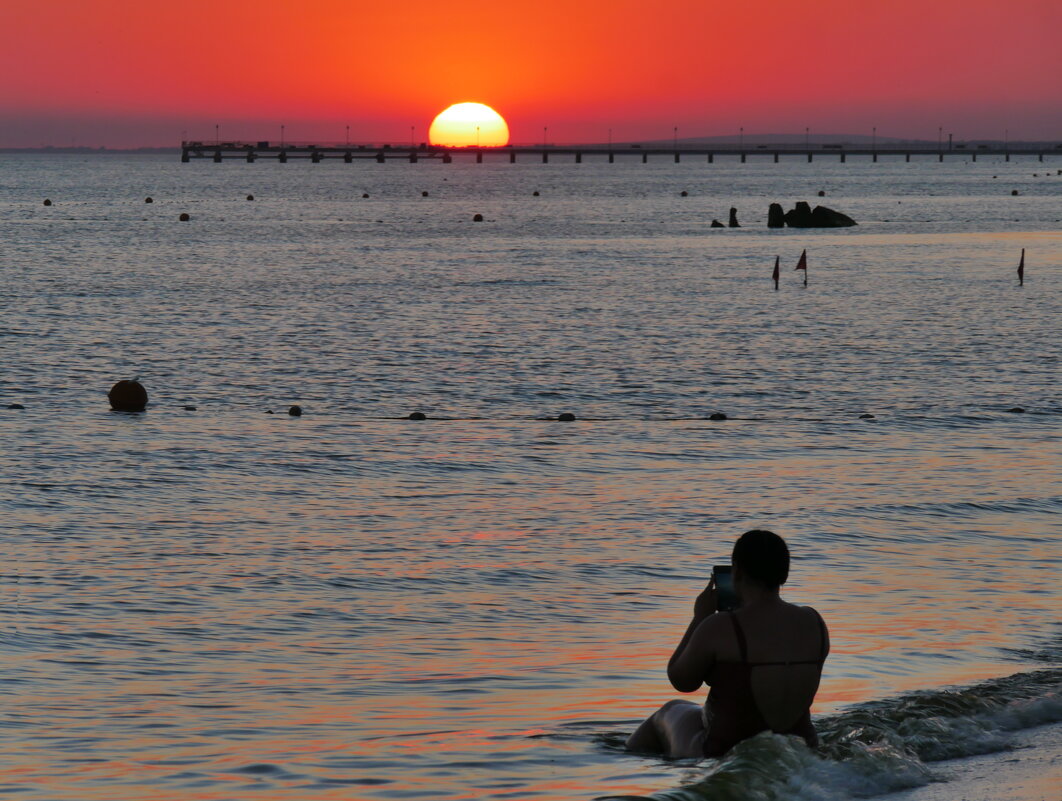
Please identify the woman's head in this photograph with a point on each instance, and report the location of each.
(761, 557)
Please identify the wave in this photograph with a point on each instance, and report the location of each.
(880, 746)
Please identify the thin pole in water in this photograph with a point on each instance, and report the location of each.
(1021, 269)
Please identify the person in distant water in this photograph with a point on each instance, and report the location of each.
(763, 662)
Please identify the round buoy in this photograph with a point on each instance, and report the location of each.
(566, 417)
(269, 411)
(295, 411)
(15, 406)
(1016, 410)
(250, 197)
(717, 416)
(189, 408)
(364, 194)
(47, 202)
(185, 216)
(684, 193)
(477, 218)
(424, 194)
(822, 193)
(128, 396)
(866, 416)
(149, 200)
(535, 193)
(1013, 191)
(417, 416)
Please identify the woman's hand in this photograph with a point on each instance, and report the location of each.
(706, 602)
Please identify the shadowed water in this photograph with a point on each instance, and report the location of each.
(230, 604)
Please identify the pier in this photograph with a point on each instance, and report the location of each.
(382, 153)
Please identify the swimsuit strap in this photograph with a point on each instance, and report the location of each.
(740, 639)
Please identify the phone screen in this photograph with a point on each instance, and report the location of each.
(725, 596)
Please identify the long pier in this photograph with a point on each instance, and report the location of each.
(349, 153)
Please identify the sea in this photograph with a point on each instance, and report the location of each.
(214, 599)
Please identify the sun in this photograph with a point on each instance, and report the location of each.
(469, 125)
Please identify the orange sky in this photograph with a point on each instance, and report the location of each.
(123, 73)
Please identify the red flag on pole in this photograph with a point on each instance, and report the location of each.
(1021, 269)
(774, 275)
(803, 265)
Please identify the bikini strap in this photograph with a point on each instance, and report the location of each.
(740, 639)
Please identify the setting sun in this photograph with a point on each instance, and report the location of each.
(469, 125)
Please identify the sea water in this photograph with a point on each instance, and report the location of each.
(226, 603)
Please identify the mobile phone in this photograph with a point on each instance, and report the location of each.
(725, 595)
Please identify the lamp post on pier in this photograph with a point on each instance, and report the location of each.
(874, 139)
(477, 136)
(217, 134)
(348, 135)
(741, 137)
(807, 138)
(675, 139)
(282, 136)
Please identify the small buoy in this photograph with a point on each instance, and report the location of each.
(822, 193)
(364, 194)
(185, 216)
(566, 417)
(684, 193)
(1016, 410)
(15, 406)
(535, 193)
(269, 411)
(717, 416)
(417, 416)
(477, 218)
(866, 416)
(128, 396)
(189, 408)
(1013, 191)
(47, 202)
(424, 194)
(295, 411)
(149, 200)
(250, 197)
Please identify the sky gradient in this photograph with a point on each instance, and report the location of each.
(126, 74)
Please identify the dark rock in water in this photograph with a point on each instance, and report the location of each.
(477, 218)
(250, 197)
(417, 416)
(364, 194)
(15, 406)
(149, 200)
(128, 396)
(47, 202)
(733, 219)
(1016, 410)
(866, 416)
(684, 193)
(295, 411)
(822, 193)
(716, 224)
(269, 411)
(423, 194)
(185, 216)
(566, 417)
(823, 217)
(189, 408)
(775, 216)
(1013, 191)
(717, 416)
(535, 193)
(799, 216)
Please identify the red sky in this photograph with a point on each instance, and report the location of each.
(123, 73)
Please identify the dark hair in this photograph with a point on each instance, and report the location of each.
(763, 556)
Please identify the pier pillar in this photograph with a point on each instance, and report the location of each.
(1008, 157)
(908, 157)
(742, 158)
(711, 158)
(315, 157)
(843, 157)
(775, 158)
(545, 157)
(578, 158)
(185, 158)
(479, 157)
(512, 157)
(217, 156)
(380, 158)
(645, 158)
(676, 158)
(809, 157)
(282, 157)
(447, 158)
(348, 157)
(250, 157)
(1041, 157)
(940, 157)
(875, 158)
(611, 158)
(412, 156)
(974, 157)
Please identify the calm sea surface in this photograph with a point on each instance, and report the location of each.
(228, 604)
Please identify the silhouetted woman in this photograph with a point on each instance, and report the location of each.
(763, 662)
